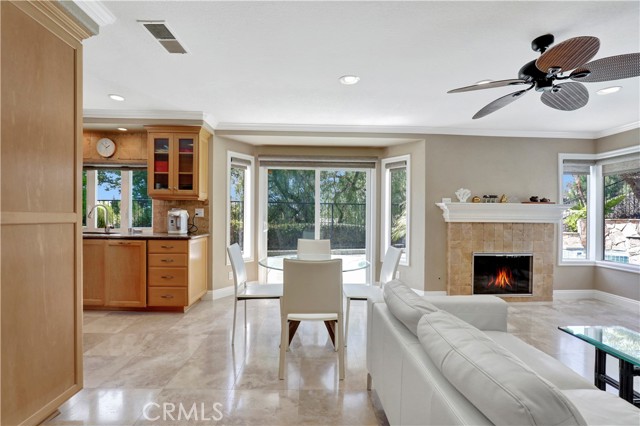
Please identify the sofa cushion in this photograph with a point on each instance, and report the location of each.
(502, 387)
(405, 304)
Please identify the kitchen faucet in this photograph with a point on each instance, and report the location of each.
(107, 226)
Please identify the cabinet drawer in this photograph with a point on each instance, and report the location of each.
(167, 296)
(169, 259)
(167, 277)
(168, 246)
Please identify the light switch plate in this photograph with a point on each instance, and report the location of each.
(199, 212)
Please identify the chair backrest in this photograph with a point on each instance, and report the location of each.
(389, 265)
(312, 287)
(237, 264)
(314, 249)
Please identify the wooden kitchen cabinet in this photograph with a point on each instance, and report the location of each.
(177, 275)
(178, 162)
(126, 273)
(115, 273)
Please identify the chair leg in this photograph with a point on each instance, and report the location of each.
(284, 338)
(233, 330)
(346, 322)
(245, 315)
(340, 345)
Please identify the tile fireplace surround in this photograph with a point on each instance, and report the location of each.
(501, 228)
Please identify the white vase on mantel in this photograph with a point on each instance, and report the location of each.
(463, 194)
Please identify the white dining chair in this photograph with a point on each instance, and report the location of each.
(243, 290)
(312, 292)
(365, 291)
(314, 249)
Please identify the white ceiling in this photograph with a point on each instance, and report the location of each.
(274, 66)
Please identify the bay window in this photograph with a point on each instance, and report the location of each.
(603, 223)
(239, 202)
(395, 202)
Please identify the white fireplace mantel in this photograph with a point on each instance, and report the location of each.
(502, 212)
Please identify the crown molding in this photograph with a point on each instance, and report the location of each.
(618, 129)
(411, 131)
(150, 117)
(97, 11)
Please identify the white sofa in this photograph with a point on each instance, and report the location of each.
(429, 383)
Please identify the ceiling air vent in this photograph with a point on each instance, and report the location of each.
(160, 32)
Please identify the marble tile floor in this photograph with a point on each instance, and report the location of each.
(166, 362)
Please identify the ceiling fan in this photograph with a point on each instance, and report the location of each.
(545, 73)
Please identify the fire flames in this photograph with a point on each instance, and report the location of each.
(503, 279)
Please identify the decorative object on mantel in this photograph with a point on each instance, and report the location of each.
(537, 200)
(463, 194)
(503, 198)
(489, 198)
(533, 198)
(476, 199)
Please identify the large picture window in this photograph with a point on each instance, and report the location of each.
(123, 193)
(603, 224)
(395, 204)
(239, 202)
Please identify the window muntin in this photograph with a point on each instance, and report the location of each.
(239, 202)
(396, 204)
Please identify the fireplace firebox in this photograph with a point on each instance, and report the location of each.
(503, 274)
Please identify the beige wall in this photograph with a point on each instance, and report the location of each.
(517, 167)
(621, 283)
(414, 273)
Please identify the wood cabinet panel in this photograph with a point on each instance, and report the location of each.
(197, 269)
(93, 270)
(38, 318)
(167, 277)
(169, 259)
(168, 246)
(126, 274)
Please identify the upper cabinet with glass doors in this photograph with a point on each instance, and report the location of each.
(177, 164)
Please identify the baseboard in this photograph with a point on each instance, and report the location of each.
(218, 294)
(598, 295)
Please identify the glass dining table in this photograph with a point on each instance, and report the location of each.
(349, 264)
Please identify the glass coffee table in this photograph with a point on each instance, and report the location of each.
(619, 342)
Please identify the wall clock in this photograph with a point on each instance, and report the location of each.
(106, 147)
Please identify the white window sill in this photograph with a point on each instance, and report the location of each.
(618, 266)
(576, 263)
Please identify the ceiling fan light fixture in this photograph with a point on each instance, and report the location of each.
(609, 90)
(115, 97)
(349, 79)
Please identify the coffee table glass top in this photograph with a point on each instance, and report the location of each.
(615, 340)
(349, 263)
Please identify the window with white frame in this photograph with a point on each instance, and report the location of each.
(396, 202)
(239, 201)
(122, 191)
(603, 224)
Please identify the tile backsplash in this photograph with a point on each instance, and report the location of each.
(162, 207)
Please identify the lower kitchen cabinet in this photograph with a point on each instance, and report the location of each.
(122, 273)
(177, 272)
(115, 273)
(126, 274)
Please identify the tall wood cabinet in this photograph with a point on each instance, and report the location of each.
(40, 198)
(178, 162)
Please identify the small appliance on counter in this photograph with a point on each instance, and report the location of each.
(177, 221)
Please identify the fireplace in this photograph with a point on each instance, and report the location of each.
(507, 274)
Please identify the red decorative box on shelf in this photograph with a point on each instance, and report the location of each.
(161, 166)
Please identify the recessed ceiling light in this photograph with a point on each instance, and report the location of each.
(122, 129)
(117, 97)
(483, 81)
(349, 79)
(609, 90)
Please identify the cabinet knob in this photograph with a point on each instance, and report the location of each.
(167, 260)
(167, 296)
(167, 277)
(167, 247)
(123, 243)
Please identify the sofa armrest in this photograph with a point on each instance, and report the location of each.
(483, 312)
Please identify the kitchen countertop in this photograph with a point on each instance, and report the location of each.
(143, 236)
